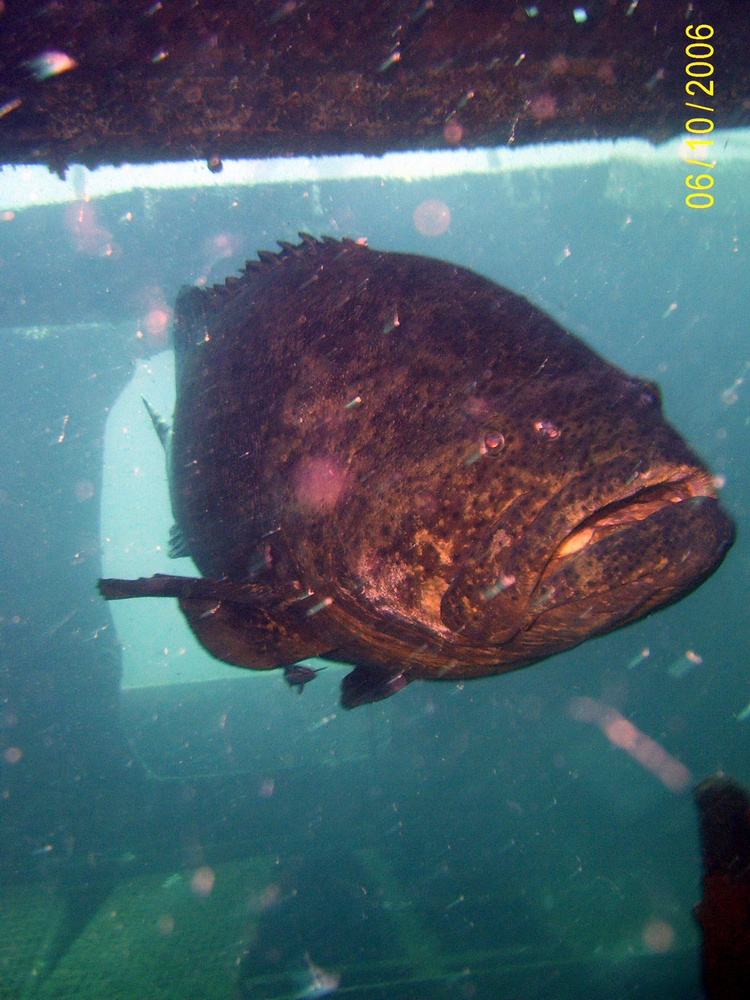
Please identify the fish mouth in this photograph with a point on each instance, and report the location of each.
(629, 510)
(583, 568)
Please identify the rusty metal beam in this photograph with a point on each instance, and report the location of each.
(209, 79)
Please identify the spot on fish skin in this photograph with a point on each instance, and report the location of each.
(318, 481)
(432, 594)
(443, 547)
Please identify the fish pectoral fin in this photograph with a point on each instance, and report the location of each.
(243, 623)
(366, 684)
(178, 547)
(185, 588)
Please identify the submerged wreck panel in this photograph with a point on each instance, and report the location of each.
(93, 84)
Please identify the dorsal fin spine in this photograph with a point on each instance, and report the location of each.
(161, 426)
(309, 249)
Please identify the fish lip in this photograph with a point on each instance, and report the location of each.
(518, 570)
(631, 507)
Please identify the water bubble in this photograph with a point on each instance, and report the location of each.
(432, 217)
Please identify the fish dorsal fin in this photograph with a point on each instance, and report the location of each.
(194, 306)
(310, 250)
(161, 426)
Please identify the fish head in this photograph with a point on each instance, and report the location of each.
(603, 514)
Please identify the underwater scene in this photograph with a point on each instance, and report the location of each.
(177, 827)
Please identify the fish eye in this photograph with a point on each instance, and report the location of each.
(493, 441)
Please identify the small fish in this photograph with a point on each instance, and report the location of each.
(297, 675)
(318, 982)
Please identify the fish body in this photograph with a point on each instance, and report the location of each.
(297, 675)
(394, 463)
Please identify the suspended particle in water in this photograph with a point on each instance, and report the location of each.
(203, 880)
(684, 664)
(394, 57)
(267, 787)
(86, 233)
(5, 109)
(543, 107)
(453, 131)
(644, 654)
(84, 490)
(50, 63)
(658, 936)
(498, 587)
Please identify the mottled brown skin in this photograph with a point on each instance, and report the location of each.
(426, 475)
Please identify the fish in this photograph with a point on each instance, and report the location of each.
(297, 675)
(723, 914)
(394, 463)
(316, 982)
